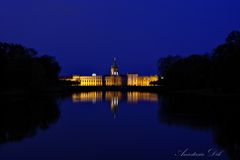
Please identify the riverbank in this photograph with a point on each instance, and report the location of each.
(208, 92)
(155, 89)
(115, 88)
(70, 89)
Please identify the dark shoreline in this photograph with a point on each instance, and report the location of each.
(62, 90)
(72, 89)
(116, 88)
(154, 89)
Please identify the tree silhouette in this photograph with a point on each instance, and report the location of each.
(21, 68)
(22, 117)
(206, 113)
(219, 71)
(226, 64)
(190, 72)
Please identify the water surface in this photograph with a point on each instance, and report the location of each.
(114, 126)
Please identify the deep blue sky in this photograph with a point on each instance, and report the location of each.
(85, 35)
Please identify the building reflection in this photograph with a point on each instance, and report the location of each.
(25, 116)
(135, 97)
(114, 98)
(87, 97)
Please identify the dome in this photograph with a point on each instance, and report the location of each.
(114, 63)
(114, 68)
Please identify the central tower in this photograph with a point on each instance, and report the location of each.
(114, 68)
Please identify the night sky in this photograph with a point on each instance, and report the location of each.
(85, 35)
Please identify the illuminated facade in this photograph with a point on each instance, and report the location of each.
(114, 68)
(93, 80)
(132, 79)
(114, 79)
(135, 80)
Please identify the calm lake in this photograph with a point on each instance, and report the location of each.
(118, 126)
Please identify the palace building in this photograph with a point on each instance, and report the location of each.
(93, 80)
(135, 80)
(114, 79)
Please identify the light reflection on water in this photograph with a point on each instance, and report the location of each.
(132, 97)
(146, 125)
(114, 97)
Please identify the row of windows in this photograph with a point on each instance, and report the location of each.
(90, 81)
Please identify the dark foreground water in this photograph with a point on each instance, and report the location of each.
(118, 126)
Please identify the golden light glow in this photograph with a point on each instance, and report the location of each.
(114, 79)
(87, 97)
(131, 97)
(91, 81)
(135, 80)
(110, 95)
(114, 98)
(134, 97)
(132, 80)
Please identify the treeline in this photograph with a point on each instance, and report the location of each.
(24, 116)
(219, 70)
(22, 69)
